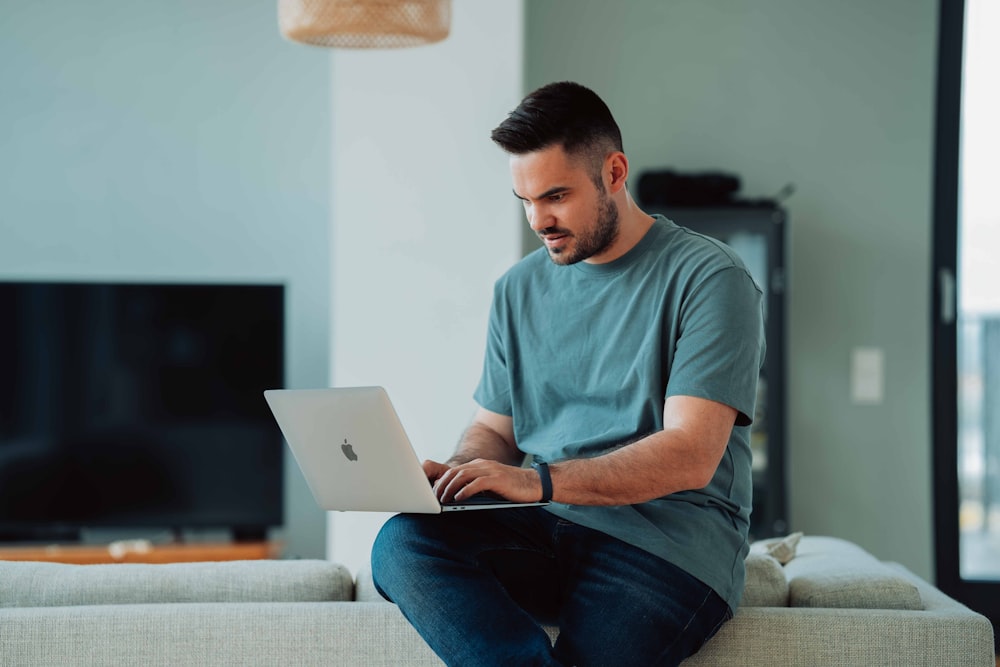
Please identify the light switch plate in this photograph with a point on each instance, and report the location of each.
(867, 375)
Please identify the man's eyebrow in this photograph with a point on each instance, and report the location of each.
(557, 190)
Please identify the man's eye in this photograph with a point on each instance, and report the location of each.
(557, 198)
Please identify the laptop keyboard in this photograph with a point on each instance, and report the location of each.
(485, 498)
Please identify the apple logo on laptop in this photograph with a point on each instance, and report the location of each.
(348, 451)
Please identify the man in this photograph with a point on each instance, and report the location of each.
(623, 358)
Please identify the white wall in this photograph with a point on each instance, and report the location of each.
(838, 98)
(171, 141)
(423, 223)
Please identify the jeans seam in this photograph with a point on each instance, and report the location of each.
(683, 632)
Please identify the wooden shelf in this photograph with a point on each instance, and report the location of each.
(130, 551)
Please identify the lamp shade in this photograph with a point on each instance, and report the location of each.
(365, 24)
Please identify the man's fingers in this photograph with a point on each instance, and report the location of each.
(451, 482)
(434, 470)
(455, 479)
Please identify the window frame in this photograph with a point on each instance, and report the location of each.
(982, 596)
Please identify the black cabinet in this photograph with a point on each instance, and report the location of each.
(757, 233)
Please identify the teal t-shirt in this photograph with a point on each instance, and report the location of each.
(583, 357)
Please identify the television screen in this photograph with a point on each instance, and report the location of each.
(134, 405)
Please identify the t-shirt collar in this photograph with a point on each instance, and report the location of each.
(630, 257)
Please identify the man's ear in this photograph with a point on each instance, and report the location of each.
(615, 171)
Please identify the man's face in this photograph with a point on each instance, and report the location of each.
(576, 220)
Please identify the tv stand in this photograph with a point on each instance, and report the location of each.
(249, 534)
(134, 551)
(45, 535)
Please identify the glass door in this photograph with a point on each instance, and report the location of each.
(979, 299)
(967, 306)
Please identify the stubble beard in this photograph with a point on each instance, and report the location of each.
(591, 242)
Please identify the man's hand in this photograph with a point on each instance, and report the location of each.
(434, 470)
(487, 459)
(459, 482)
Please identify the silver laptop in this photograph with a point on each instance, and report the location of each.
(355, 455)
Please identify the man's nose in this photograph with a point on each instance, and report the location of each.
(538, 218)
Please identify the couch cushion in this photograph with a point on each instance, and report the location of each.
(830, 572)
(364, 588)
(766, 585)
(30, 584)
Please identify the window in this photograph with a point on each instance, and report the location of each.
(966, 325)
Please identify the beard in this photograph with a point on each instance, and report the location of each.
(589, 242)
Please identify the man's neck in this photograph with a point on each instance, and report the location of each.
(633, 223)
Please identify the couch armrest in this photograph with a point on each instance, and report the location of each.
(944, 633)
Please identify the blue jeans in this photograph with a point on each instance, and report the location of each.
(478, 585)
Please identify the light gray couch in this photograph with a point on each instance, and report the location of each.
(831, 603)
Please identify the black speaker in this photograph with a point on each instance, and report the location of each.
(670, 188)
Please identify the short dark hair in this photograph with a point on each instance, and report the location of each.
(563, 113)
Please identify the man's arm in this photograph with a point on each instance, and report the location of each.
(684, 455)
(489, 437)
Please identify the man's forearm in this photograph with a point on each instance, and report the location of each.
(654, 466)
(684, 455)
(481, 442)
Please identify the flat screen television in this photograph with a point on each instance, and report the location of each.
(139, 405)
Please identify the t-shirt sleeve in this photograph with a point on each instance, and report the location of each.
(720, 346)
(493, 391)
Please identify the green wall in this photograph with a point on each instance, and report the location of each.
(171, 141)
(837, 98)
(187, 140)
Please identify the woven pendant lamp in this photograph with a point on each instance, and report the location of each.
(365, 24)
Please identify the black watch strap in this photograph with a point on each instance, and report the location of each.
(543, 474)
